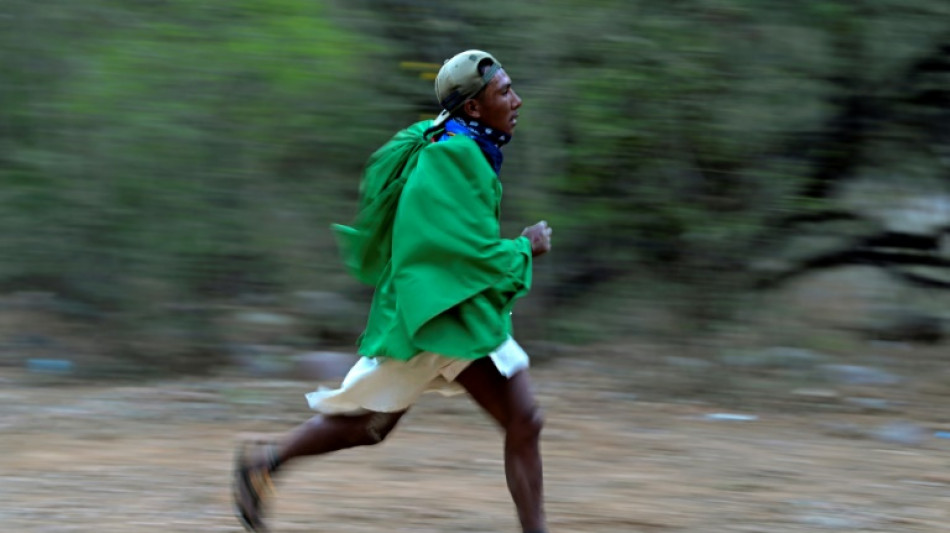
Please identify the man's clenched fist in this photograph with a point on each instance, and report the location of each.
(540, 237)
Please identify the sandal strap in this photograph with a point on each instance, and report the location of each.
(272, 457)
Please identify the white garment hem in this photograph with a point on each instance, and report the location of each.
(387, 385)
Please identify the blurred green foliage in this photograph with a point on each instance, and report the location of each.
(161, 155)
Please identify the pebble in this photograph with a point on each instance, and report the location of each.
(49, 366)
(731, 417)
(816, 394)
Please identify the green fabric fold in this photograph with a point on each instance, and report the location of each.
(366, 246)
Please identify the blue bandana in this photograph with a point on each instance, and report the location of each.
(488, 139)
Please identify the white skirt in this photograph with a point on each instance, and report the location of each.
(386, 385)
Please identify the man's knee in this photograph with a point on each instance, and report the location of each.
(378, 426)
(526, 426)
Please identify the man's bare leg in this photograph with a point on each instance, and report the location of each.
(511, 403)
(324, 434)
(319, 435)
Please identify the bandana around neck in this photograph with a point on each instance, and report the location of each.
(488, 139)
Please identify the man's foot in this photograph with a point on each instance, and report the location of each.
(253, 465)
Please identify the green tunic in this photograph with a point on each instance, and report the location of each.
(427, 236)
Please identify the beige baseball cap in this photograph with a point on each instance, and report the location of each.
(458, 80)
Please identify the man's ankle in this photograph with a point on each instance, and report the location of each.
(272, 457)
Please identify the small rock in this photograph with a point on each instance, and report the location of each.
(818, 395)
(731, 417)
(321, 366)
(903, 433)
(49, 366)
(859, 375)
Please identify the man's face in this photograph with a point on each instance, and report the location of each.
(497, 106)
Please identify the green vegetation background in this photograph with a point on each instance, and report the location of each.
(163, 163)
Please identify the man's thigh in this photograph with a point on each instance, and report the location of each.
(505, 399)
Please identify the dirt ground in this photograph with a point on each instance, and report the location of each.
(94, 457)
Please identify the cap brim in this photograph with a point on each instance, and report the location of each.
(443, 116)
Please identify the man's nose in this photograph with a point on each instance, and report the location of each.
(517, 102)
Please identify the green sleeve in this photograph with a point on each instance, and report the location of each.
(447, 249)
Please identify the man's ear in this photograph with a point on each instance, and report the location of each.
(472, 108)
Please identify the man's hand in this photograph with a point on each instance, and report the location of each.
(540, 237)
